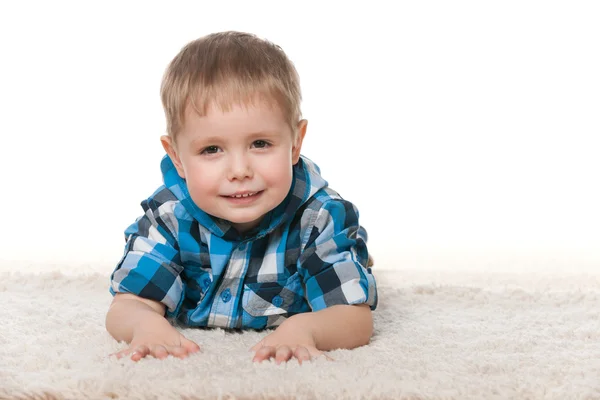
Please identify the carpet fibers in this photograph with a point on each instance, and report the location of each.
(438, 335)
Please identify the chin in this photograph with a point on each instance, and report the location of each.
(246, 221)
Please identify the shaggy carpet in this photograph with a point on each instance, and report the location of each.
(438, 335)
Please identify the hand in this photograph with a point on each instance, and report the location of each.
(158, 342)
(286, 342)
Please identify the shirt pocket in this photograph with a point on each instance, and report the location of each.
(267, 304)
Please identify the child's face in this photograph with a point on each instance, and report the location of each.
(248, 151)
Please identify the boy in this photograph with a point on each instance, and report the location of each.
(244, 233)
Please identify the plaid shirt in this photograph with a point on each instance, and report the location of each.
(307, 254)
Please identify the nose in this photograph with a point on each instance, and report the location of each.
(239, 168)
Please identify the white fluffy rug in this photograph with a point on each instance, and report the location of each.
(438, 336)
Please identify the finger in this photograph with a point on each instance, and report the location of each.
(140, 352)
(189, 346)
(283, 354)
(159, 351)
(257, 346)
(177, 351)
(264, 353)
(301, 354)
(122, 353)
(314, 353)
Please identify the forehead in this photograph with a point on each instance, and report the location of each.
(249, 117)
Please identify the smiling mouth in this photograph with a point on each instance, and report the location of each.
(244, 195)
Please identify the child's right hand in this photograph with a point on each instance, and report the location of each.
(158, 341)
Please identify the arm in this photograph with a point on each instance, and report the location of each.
(337, 327)
(146, 284)
(340, 290)
(129, 312)
(141, 323)
(308, 335)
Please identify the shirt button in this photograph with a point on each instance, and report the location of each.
(206, 283)
(277, 301)
(226, 295)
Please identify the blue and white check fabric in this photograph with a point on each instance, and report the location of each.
(307, 254)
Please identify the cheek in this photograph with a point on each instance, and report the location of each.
(201, 180)
(280, 176)
(281, 172)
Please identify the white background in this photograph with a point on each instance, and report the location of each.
(465, 132)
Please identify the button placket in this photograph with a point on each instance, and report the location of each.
(223, 312)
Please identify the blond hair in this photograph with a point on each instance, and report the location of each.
(227, 68)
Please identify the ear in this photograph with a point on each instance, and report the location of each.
(300, 133)
(170, 147)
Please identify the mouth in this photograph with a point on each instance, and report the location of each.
(242, 195)
(243, 198)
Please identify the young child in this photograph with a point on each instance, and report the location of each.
(244, 233)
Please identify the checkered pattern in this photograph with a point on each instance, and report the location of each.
(307, 254)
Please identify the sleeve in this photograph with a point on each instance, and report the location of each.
(334, 259)
(151, 266)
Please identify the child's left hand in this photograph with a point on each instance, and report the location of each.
(286, 342)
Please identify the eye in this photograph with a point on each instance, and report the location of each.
(210, 150)
(260, 144)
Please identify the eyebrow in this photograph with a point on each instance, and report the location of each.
(219, 139)
(209, 139)
(262, 133)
